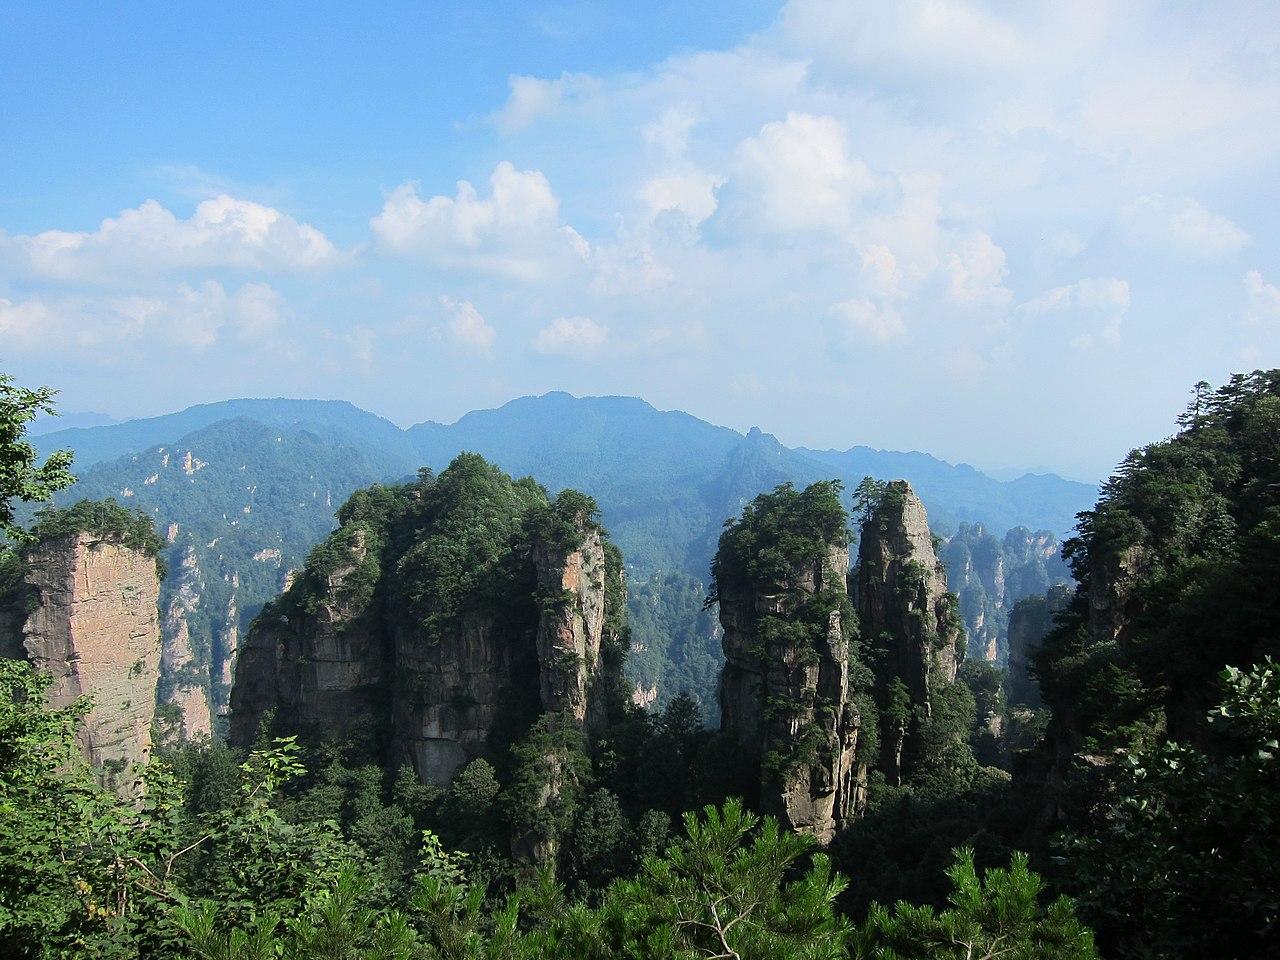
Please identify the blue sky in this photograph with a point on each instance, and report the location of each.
(1011, 234)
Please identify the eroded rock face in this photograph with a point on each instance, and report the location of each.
(571, 631)
(785, 696)
(1030, 621)
(96, 630)
(322, 664)
(906, 613)
(991, 575)
(183, 676)
(334, 662)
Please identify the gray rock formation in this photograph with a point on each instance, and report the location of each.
(1029, 622)
(318, 658)
(990, 575)
(785, 693)
(336, 658)
(95, 629)
(907, 618)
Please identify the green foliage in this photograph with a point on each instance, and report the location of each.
(209, 867)
(22, 477)
(464, 545)
(779, 533)
(1178, 856)
(675, 642)
(105, 519)
(997, 916)
(727, 889)
(1187, 536)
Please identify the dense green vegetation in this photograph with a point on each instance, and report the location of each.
(1151, 799)
(1177, 566)
(23, 479)
(675, 643)
(233, 859)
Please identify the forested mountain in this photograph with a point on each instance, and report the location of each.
(240, 504)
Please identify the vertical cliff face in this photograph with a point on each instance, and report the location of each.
(95, 629)
(787, 695)
(571, 627)
(990, 575)
(444, 618)
(184, 678)
(1029, 623)
(906, 616)
(317, 657)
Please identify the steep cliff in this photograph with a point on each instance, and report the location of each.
(990, 575)
(1029, 623)
(909, 622)
(440, 620)
(91, 589)
(789, 694)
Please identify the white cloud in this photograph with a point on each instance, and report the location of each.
(1100, 302)
(1098, 294)
(533, 97)
(187, 316)
(670, 132)
(467, 327)
(1183, 226)
(799, 174)
(865, 321)
(570, 337)
(1263, 305)
(692, 193)
(976, 271)
(222, 233)
(880, 269)
(514, 232)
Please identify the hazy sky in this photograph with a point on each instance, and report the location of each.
(1011, 234)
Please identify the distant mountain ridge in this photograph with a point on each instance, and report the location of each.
(665, 480)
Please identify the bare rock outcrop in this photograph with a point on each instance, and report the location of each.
(95, 629)
(183, 676)
(907, 617)
(318, 656)
(786, 694)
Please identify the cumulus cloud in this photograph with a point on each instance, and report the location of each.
(1100, 302)
(514, 232)
(692, 193)
(533, 97)
(864, 321)
(1183, 226)
(222, 233)
(1263, 304)
(976, 271)
(467, 326)
(570, 337)
(1105, 294)
(800, 175)
(188, 316)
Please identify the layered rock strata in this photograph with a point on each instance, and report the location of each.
(95, 629)
(340, 656)
(785, 693)
(907, 617)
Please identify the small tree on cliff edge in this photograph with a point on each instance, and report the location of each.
(22, 477)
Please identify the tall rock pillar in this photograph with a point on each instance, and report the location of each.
(907, 618)
(95, 629)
